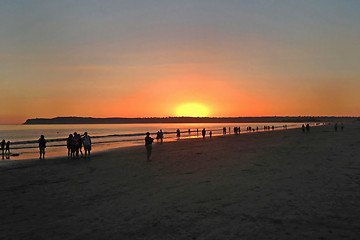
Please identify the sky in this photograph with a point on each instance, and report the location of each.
(160, 58)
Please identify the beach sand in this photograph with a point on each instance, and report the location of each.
(269, 185)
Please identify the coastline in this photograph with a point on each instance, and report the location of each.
(267, 185)
(117, 141)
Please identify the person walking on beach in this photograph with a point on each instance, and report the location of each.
(307, 127)
(148, 145)
(161, 136)
(7, 150)
(42, 146)
(3, 148)
(76, 144)
(303, 128)
(224, 130)
(87, 144)
(210, 134)
(80, 144)
(178, 133)
(203, 132)
(158, 136)
(69, 145)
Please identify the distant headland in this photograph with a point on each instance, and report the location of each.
(90, 120)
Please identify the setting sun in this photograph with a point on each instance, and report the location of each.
(192, 110)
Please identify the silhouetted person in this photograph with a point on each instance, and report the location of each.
(235, 130)
(257, 128)
(69, 145)
(80, 144)
(76, 144)
(87, 144)
(224, 130)
(342, 127)
(161, 136)
(42, 146)
(229, 130)
(189, 131)
(273, 128)
(307, 127)
(7, 150)
(203, 132)
(148, 145)
(178, 133)
(303, 128)
(336, 127)
(197, 132)
(2, 148)
(158, 136)
(210, 134)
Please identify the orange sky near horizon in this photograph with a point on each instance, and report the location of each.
(134, 59)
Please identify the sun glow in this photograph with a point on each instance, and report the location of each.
(192, 110)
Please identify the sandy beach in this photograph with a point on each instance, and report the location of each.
(267, 185)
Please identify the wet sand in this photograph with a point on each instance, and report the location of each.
(269, 185)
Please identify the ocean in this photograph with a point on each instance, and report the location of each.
(23, 138)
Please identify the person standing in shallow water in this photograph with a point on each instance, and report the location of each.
(148, 145)
(203, 132)
(42, 146)
(158, 136)
(161, 136)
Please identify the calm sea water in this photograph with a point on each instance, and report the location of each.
(24, 138)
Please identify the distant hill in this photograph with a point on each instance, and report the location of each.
(90, 120)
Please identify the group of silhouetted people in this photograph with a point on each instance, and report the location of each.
(341, 127)
(160, 136)
(305, 128)
(76, 142)
(237, 130)
(5, 148)
(74, 145)
(268, 128)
